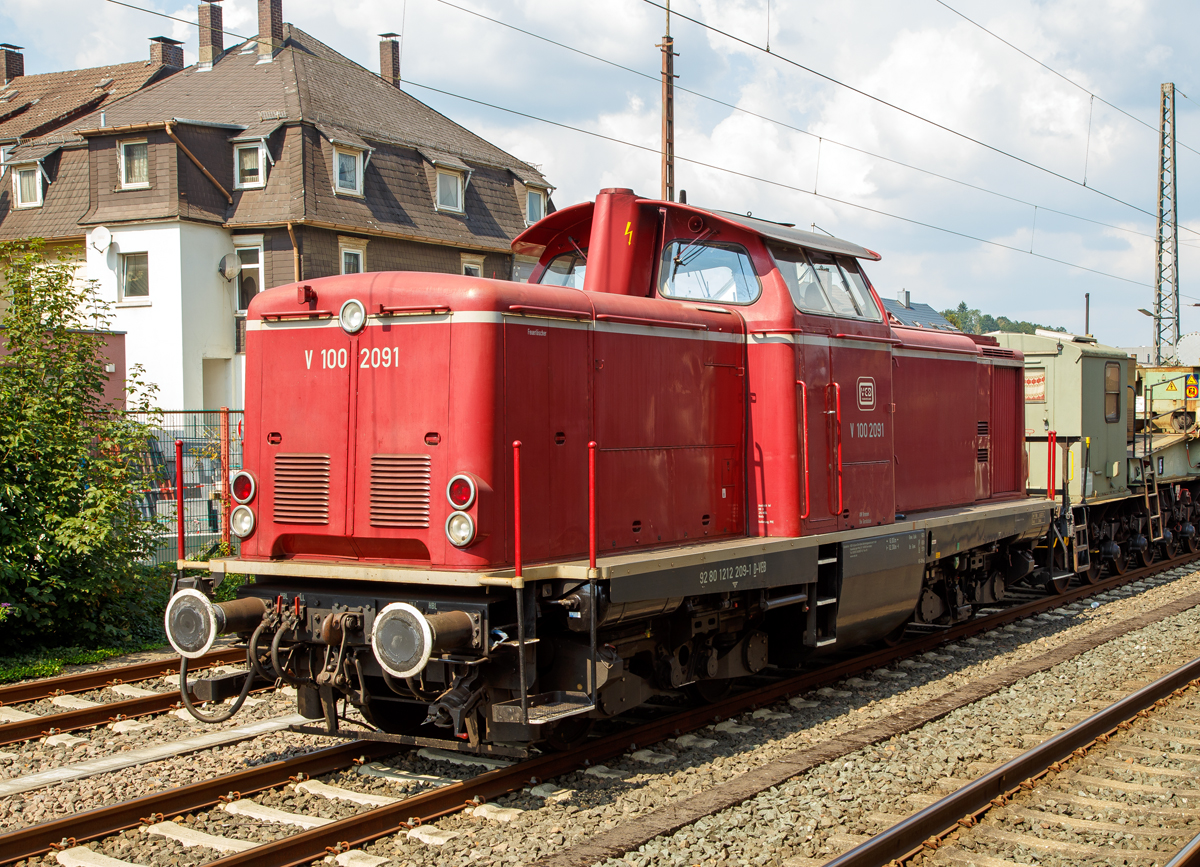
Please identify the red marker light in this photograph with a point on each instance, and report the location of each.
(460, 492)
(242, 487)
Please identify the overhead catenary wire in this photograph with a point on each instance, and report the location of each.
(907, 112)
(1054, 71)
(717, 101)
(655, 150)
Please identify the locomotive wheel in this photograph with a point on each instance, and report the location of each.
(1192, 543)
(1092, 574)
(1147, 556)
(708, 691)
(566, 734)
(1119, 564)
(397, 718)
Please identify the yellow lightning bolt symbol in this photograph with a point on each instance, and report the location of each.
(629, 232)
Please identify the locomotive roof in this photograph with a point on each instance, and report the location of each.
(533, 241)
(798, 237)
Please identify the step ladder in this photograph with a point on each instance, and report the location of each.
(821, 629)
(1150, 499)
(1081, 547)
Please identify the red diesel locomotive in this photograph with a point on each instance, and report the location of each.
(691, 446)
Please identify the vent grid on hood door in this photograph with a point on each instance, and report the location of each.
(301, 489)
(400, 491)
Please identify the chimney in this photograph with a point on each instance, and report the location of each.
(166, 52)
(13, 61)
(270, 28)
(905, 298)
(389, 58)
(212, 39)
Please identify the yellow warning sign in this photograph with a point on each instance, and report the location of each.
(1190, 388)
(1171, 386)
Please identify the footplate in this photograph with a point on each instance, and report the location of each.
(545, 707)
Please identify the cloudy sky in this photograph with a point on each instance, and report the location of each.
(757, 133)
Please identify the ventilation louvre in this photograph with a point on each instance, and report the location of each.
(982, 456)
(400, 491)
(981, 428)
(301, 489)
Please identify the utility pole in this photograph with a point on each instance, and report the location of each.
(668, 112)
(1166, 240)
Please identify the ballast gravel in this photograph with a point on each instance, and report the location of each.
(813, 816)
(805, 817)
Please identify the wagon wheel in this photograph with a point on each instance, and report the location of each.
(1147, 555)
(1092, 574)
(1058, 585)
(1192, 544)
(1120, 564)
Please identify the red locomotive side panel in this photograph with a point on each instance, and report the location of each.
(1008, 431)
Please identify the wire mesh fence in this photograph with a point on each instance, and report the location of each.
(212, 451)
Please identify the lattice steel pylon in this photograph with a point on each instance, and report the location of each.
(1166, 240)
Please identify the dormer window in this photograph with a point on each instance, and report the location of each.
(135, 164)
(449, 191)
(27, 186)
(535, 205)
(251, 166)
(348, 171)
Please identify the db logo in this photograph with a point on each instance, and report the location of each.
(866, 393)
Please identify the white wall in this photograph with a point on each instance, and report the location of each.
(188, 316)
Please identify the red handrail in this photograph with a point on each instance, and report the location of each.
(295, 314)
(418, 309)
(804, 447)
(1051, 445)
(592, 504)
(656, 323)
(517, 506)
(552, 312)
(868, 338)
(837, 394)
(179, 498)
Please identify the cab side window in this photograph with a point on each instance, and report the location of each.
(1112, 391)
(565, 270)
(825, 285)
(708, 272)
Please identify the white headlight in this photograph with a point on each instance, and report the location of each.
(242, 521)
(352, 316)
(460, 529)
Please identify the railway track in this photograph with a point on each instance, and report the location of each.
(367, 822)
(1118, 787)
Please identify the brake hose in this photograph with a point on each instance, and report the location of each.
(237, 703)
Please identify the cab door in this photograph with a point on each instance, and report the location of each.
(816, 409)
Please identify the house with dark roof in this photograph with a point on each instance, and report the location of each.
(905, 311)
(278, 160)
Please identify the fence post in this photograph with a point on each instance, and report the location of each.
(225, 477)
(179, 498)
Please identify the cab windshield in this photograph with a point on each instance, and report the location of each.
(826, 285)
(565, 270)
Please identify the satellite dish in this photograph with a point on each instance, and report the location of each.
(1188, 349)
(230, 266)
(101, 238)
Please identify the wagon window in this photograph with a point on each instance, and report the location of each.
(708, 272)
(565, 270)
(1112, 391)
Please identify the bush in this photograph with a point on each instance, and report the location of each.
(70, 534)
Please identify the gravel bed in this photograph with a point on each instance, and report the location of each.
(798, 818)
(598, 803)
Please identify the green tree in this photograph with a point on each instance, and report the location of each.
(973, 322)
(70, 465)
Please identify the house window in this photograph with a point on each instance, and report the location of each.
(449, 191)
(472, 266)
(135, 164)
(535, 205)
(1112, 391)
(250, 167)
(349, 170)
(5, 152)
(249, 279)
(27, 185)
(135, 276)
(354, 254)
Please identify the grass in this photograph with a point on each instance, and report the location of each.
(51, 661)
